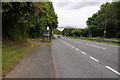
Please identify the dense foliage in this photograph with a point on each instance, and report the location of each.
(27, 19)
(106, 19)
(73, 32)
(56, 31)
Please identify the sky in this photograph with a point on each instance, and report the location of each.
(76, 12)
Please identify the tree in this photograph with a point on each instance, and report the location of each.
(106, 19)
(27, 19)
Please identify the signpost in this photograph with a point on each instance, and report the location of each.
(104, 33)
(47, 28)
(46, 35)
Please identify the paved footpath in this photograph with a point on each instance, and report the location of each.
(38, 64)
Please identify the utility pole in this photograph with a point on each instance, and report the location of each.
(105, 23)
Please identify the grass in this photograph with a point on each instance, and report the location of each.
(112, 43)
(13, 52)
(40, 40)
(46, 43)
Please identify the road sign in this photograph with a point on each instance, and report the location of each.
(47, 28)
(104, 31)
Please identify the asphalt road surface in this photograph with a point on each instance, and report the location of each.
(84, 59)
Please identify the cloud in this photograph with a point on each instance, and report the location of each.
(79, 5)
(75, 5)
(62, 4)
(81, 0)
(75, 13)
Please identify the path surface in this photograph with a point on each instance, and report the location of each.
(85, 59)
(38, 64)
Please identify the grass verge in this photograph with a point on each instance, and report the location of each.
(13, 52)
(46, 43)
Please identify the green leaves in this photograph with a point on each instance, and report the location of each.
(27, 18)
(107, 18)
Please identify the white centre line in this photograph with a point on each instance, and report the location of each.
(67, 43)
(112, 70)
(77, 49)
(73, 47)
(83, 53)
(93, 58)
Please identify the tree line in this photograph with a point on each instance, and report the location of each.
(22, 20)
(104, 23)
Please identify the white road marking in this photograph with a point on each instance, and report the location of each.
(57, 76)
(93, 58)
(68, 44)
(83, 53)
(114, 46)
(98, 43)
(95, 46)
(73, 47)
(65, 42)
(98, 47)
(78, 41)
(112, 70)
(77, 49)
(86, 44)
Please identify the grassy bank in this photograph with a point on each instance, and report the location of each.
(13, 52)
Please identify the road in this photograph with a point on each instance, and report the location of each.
(84, 59)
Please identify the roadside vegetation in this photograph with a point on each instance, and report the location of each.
(22, 20)
(13, 52)
(23, 24)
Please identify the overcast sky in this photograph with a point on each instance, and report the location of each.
(76, 12)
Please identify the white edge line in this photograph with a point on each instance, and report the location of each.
(112, 70)
(93, 59)
(57, 76)
(95, 46)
